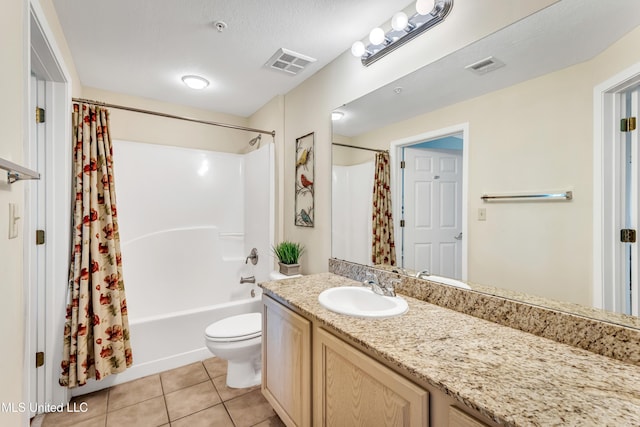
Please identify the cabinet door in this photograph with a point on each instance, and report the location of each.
(352, 389)
(286, 363)
(458, 418)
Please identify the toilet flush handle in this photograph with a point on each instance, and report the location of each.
(253, 256)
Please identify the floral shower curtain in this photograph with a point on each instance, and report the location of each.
(96, 332)
(383, 250)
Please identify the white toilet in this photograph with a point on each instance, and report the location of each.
(238, 339)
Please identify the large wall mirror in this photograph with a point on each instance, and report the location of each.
(512, 114)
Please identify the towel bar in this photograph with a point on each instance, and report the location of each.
(16, 172)
(567, 195)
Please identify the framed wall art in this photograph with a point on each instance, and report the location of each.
(304, 200)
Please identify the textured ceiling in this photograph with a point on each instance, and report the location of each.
(143, 47)
(565, 33)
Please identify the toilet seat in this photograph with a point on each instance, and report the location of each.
(235, 328)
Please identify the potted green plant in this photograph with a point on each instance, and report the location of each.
(288, 254)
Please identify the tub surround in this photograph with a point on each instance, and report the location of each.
(509, 376)
(559, 321)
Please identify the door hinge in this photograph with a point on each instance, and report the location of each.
(628, 235)
(627, 124)
(39, 237)
(39, 115)
(402, 223)
(402, 164)
(39, 359)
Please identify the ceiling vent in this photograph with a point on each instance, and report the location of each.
(288, 61)
(485, 66)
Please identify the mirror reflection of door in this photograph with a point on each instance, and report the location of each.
(628, 292)
(432, 207)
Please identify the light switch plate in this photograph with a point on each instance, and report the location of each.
(13, 220)
(482, 214)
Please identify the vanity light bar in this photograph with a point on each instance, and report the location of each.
(417, 25)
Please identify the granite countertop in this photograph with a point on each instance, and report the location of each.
(510, 376)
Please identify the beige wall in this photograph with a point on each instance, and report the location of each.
(12, 116)
(533, 136)
(308, 107)
(139, 127)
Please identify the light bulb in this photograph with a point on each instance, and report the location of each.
(195, 82)
(376, 36)
(399, 21)
(336, 115)
(423, 7)
(357, 49)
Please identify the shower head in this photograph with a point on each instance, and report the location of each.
(256, 140)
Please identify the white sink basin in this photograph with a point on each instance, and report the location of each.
(361, 302)
(447, 281)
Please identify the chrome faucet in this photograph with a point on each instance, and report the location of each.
(422, 273)
(372, 283)
(400, 270)
(250, 279)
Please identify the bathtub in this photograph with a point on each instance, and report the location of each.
(176, 339)
(172, 340)
(178, 282)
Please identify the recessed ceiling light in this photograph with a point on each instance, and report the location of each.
(195, 82)
(336, 115)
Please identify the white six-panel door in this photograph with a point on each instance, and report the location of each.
(432, 236)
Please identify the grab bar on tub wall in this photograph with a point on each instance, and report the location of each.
(567, 195)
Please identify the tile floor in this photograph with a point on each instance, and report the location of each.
(194, 395)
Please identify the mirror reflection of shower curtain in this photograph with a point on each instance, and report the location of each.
(351, 212)
(383, 250)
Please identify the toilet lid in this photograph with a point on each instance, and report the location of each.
(236, 328)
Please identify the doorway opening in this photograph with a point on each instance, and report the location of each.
(47, 208)
(431, 177)
(616, 198)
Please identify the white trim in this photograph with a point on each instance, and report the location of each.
(26, 294)
(58, 196)
(606, 251)
(58, 65)
(394, 153)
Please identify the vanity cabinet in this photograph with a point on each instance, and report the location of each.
(286, 363)
(347, 386)
(350, 388)
(457, 418)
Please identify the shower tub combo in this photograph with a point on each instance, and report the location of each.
(184, 247)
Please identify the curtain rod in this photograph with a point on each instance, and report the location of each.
(172, 116)
(360, 148)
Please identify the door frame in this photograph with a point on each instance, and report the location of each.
(40, 42)
(607, 200)
(395, 152)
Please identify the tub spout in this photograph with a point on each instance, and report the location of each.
(250, 279)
